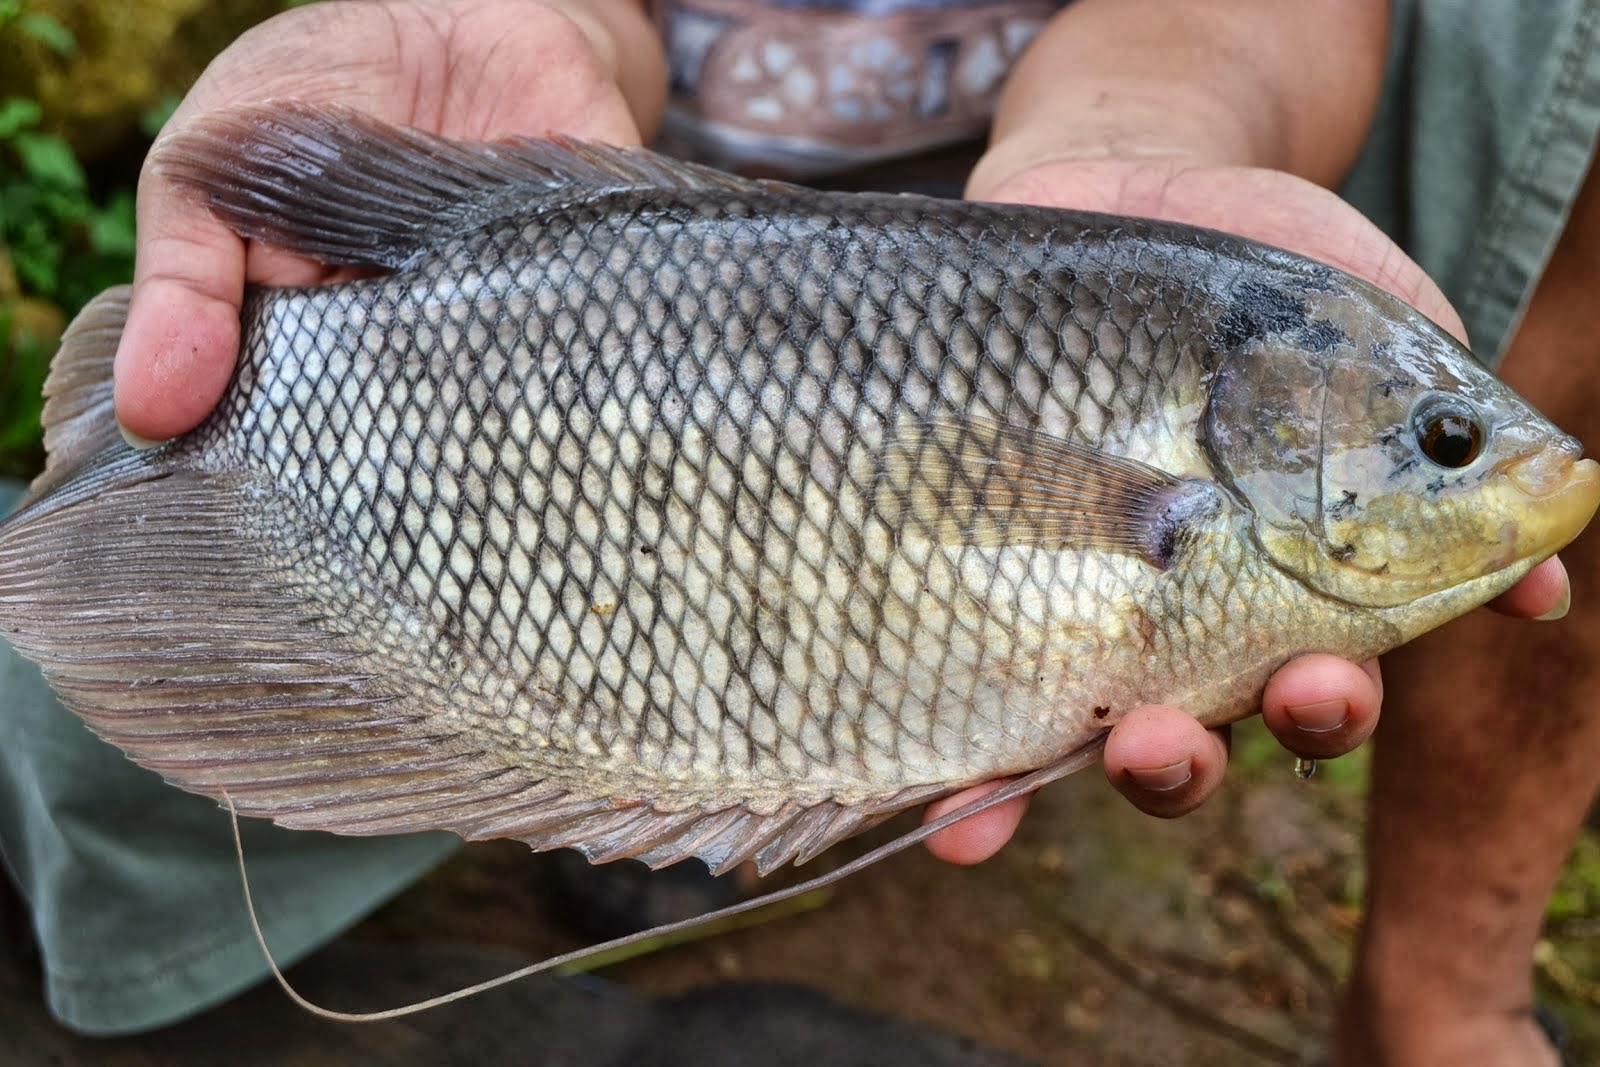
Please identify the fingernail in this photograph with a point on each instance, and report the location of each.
(1323, 717)
(136, 442)
(1563, 606)
(1162, 779)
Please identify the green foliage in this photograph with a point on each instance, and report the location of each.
(23, 361)
(17, 115)
(1258, 757)
(48, 32)
(63, 245)
(38, 26)
(60, 244)
(1577, 894)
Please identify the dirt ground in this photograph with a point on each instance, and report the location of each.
(1098, 937)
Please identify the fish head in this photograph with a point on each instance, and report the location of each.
(1383, 465)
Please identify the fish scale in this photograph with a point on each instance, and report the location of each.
(850, 680)
(641, 509)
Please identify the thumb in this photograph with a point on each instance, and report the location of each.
(178, 348)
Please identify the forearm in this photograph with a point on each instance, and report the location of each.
(1262, 83)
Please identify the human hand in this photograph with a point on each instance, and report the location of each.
(1317, 706)
(471, 69)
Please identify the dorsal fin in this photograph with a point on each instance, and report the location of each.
(346, 188)
(78, 420)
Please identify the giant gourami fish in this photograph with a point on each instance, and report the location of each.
(633, 507)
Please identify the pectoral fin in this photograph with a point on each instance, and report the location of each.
(983, 482)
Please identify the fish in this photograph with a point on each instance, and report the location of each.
(620, 504)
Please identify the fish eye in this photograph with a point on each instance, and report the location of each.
(1449, 433)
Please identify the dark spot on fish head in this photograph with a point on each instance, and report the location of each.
(1268, 395)
(1345, 506)
(1101, 711)
(1258, 309)
(1320, 278)
(1321, 335)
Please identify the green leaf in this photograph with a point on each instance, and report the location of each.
(48, 31)
(62, 208)
(17, 113)
(36, 255)
(111, 228)
(47, 159)
(23, 361)
(19, 200)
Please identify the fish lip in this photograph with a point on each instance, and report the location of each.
(1542, 471)
(1565, 493)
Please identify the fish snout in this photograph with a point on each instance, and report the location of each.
(1554, 494)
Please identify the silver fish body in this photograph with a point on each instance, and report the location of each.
(629, 485)
(661, 514)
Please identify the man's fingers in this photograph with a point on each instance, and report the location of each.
(1322, 706)
(1167, 764)
(1264, 205)
(975, 839)
(480, 71)
(1544, 593)
(1163, 761)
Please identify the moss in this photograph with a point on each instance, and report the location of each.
(1257, 756)
(1577, 894)
(117, 62)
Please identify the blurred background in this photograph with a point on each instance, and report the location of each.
(1099, 937)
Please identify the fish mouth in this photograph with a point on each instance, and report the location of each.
(1555, 495)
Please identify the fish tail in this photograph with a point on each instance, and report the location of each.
(166, 624)
(161, 613)
(84, 456)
